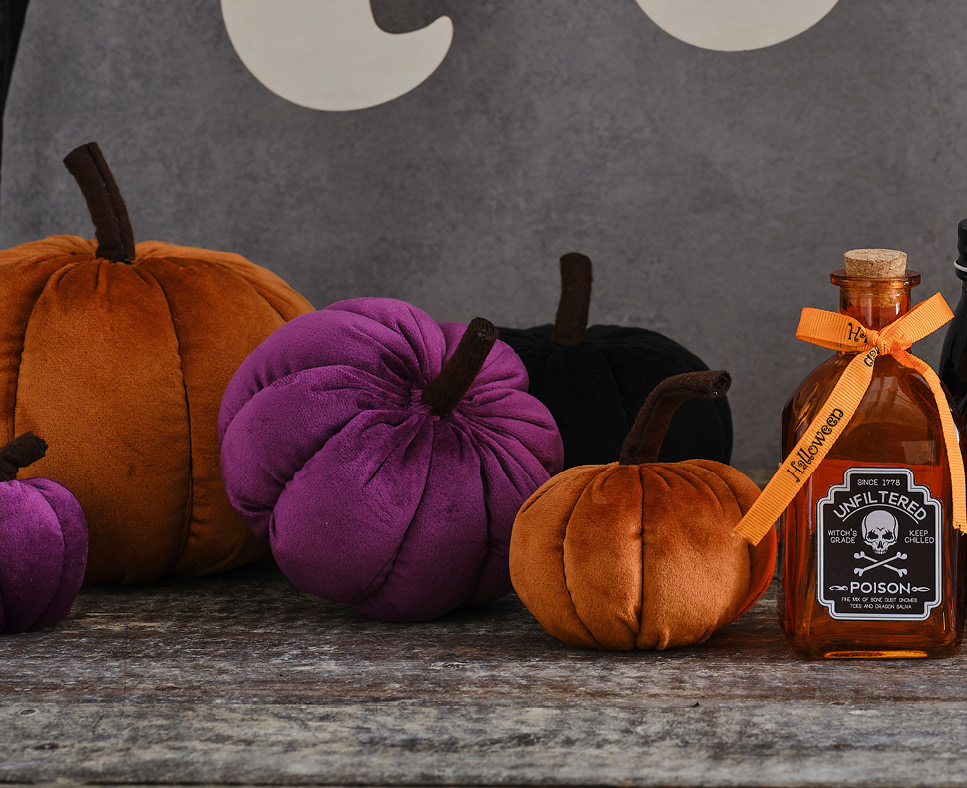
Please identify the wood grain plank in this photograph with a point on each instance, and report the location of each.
(241, 679)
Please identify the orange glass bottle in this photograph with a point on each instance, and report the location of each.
(869, 563)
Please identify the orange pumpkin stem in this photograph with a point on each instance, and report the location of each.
(112, 227)
(445, 391)
(647, 433)
(572, 310)
(19, 453)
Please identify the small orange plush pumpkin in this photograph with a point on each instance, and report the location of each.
(638, 553)
(119, 354)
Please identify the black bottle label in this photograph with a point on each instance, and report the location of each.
(879, 539)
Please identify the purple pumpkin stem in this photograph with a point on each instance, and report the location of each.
(19, 453)
(572, 310)
(112, 227)
(445, 391)
(647, 433)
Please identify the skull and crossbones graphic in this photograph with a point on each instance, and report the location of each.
(880, 530)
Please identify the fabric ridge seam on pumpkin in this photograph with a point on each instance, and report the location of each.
(753, 592)
(424, 356)
(230, 261)
(567, 587)
(191, 457)
(269, 506)
(483, 440)
(53, 591)
(379, 580)
(484, 434)
(641, 600)
(63, 565)
(692, 476)
(249, 281)
(370, 329)
(187, 261)
(465, 427)
(655, 469)
(57, 275)
(407, 439)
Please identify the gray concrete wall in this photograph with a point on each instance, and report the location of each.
(714, 191)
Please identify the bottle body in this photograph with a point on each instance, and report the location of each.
(869, 563)
(953, 357)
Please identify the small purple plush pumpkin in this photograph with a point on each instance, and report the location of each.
(386, 455)
(43, 542)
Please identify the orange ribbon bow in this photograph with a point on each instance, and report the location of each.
(841, 332)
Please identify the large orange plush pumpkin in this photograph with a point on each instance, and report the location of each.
(120, 354)
(640, 553)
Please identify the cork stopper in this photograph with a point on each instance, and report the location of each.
(875, 263)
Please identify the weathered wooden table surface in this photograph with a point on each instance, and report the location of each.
(241, 679)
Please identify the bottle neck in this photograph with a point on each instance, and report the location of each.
(874, 302)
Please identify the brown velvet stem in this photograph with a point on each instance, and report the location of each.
(19, 453)
(572, 310)
(647, 433)
(445, 391)
(115, 238)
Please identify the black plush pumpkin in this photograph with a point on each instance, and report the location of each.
(595, 379)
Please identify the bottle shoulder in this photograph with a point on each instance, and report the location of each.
(806, 401)
(896, 421)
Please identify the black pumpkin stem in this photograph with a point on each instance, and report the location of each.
(112, 227)
(572, 310)
(648, 432)
(445, 391)
(19, 453)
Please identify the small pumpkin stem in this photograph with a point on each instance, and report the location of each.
(647, 433)
(445, 391)
(572, 310)
(19, 453)
(112, 227)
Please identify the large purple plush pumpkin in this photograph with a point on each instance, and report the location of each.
(386, 455)
(43, 542)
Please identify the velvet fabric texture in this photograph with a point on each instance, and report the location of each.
(639, 556)
(367, 495)
(122, 366)
(43, 543)
(595, 389)
(594, 380)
